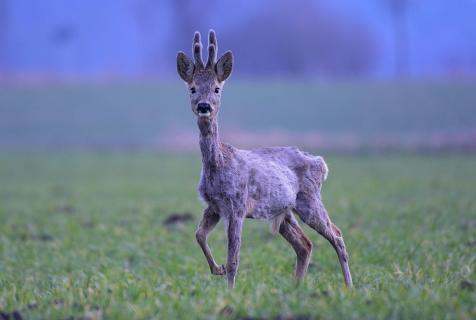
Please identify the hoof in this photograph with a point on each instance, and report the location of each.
(219, 270)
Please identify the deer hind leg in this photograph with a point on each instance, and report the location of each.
(207, 224)
(292, 232)
(312, 212)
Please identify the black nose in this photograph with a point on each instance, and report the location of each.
(204, 107)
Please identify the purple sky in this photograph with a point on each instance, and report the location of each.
(106, 38)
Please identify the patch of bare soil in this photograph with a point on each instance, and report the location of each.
(178, 218)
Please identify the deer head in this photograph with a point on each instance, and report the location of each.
(205, 82)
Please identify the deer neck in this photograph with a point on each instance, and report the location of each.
(210, 145)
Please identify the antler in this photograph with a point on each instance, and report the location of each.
(197, 50)
(212, 49)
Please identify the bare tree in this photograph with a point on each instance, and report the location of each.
(398, 10)
(188, 16)
(303, 40)
(185, 17)
(3, 34)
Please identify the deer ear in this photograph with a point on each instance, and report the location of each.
(185, 67)
(224, 66)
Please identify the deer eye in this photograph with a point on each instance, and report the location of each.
(217, 90)
(193, 90)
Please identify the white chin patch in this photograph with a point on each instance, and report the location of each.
(204, 114)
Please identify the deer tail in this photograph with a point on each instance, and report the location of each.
(322, 169)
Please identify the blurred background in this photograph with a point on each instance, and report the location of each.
(99, 156)
(337, 75)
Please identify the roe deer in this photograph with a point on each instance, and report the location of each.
(266, 183)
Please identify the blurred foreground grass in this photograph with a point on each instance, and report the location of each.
(82, 235)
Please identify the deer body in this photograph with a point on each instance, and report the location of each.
(267, 180)
(267, 183)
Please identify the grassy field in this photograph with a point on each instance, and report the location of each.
(140, 114)
(82, 236)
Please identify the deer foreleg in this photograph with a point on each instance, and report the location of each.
(235, 227)
(208, 223)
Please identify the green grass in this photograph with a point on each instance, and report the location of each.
(81, 235)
